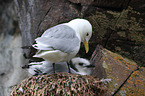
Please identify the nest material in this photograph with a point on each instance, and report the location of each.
(59, 84)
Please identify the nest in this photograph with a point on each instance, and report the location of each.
(59, 84)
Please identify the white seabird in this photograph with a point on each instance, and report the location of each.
(62, 42)
(82, 66)
(44, 67)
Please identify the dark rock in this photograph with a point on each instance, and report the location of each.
(138, 5)
(111, 4)
(120, 32)
(82, 2)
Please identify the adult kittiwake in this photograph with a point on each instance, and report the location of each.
(62, 42)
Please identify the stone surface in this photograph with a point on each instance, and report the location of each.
(11, 54)
(121, 32)
(124, 74)
(135, 85)
(11, 60)
(82, 2)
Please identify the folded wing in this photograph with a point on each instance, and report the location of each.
(60, 37)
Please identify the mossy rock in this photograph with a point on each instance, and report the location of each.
(122, 32)
(127, 78)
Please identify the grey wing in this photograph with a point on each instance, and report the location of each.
(60, 37)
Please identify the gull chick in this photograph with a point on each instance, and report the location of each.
(82, 65)
(62, 42)
(78, 66)
(44, 67)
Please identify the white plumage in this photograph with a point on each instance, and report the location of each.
(83, 65)
(44, 67)
(62, 42)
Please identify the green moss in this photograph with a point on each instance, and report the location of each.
(121, 34)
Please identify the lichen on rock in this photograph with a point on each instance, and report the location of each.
(120, 30)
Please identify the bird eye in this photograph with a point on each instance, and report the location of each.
(81, 64)
(87, 34)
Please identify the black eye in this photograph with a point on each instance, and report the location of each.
(81, 64)
(87, 34)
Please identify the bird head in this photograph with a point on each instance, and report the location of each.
(82, 65)
(84, 30)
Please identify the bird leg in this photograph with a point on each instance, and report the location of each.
(53, 67)
(68, 64)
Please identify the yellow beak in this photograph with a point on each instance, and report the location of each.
(86, 46)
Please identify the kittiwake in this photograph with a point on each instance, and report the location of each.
(83, 66)
(62, 42)
(44, 67)
(40, 68)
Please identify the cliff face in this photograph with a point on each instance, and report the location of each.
(11, 54)
(11, 60)
(116, 26)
